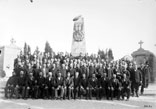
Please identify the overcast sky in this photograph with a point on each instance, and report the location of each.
(115, 24)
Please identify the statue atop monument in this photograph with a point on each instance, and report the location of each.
(78, 33)
(78, 43)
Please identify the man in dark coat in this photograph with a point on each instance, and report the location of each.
(68, 86)
(132, 73)
(100, 72)
(84, 70)
(19, 68)
(36, 71)
(59, 90)
(10, 85)
(49, 86)
(78, 69)
(110, 72)
(125, 87)
(136, 80)
(91, 70)
(84, 86)
(92, 84)
(116, 87)
(145, 70)
(125, 71)
(76, 85)
(104, 86)
(20, 87)
(63, 71)
(30, 82)
(40, 86)
(71, 70)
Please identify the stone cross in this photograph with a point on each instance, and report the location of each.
(12, 41)
(141, 42)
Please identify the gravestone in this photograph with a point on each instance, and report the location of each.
(78, 43)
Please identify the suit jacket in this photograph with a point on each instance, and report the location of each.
(115, 83)
(84, 83)
(18, 70)
(127, 73)
(93, 82)
(104, 82)
(79, 70)
(36, 72)
(132, 73)
(59, 82)
(83, 70)
(72, 71)
(68, 82)
(41, 81)
(13, 80)
(110, 73)
(126, 83)
(76, 82)
(30, 82)
(63, 73)
(21, 81)
(91, 71)
(50, 82)
(146, 72)
(137, 76)
(99, 72)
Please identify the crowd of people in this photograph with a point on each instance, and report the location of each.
(61, 76)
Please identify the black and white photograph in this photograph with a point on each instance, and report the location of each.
(77, 54)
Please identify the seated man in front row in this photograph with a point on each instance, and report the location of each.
(93, 89)
(49, 86)
(125, 87)
(84, 86)
(20, 86)
(115, 89)
(30, 84)
(76, 81)
(10, 85)
(59, 90)
(68, 86)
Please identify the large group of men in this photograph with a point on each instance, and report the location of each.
(61, 76)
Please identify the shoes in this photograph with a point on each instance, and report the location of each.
(127, 99)
(137, 95)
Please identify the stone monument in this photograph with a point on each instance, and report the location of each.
(7, 55)
(78, 43)
(142, 56)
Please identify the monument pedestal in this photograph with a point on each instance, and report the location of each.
(78, 48)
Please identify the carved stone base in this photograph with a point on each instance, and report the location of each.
(78, 48)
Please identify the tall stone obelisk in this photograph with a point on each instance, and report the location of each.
(78, 43)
